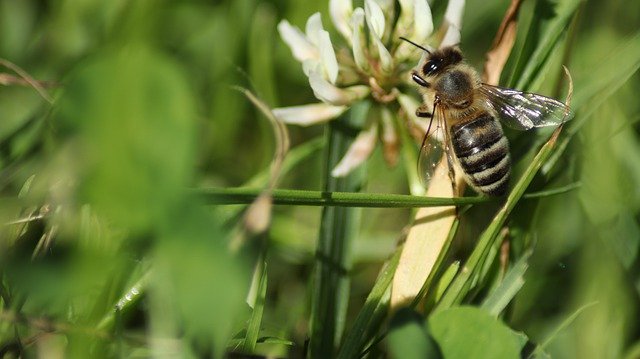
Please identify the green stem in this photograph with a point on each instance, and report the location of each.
(330, 290)
(329, 199)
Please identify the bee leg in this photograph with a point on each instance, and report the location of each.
(423, 111)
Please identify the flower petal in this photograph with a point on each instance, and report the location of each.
(386, 61)
(312, 65)
(358, 40)
(452, 37)
(307, 115)
(453, 15)
(301, 48)
(357, 153)
(388, 10)
(328, 93)
(313, 28)
(375, 21)
(423, 21)
(341, 11)
(328, 56)
(375, 17)
(405, 21)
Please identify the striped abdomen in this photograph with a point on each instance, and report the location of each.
(483, 153)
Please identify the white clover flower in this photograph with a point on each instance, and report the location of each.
(374, 64)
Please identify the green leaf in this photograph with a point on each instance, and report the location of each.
(197, 282)
(130, 115)
(469, 332)
(409, 338)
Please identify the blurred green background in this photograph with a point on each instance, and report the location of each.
(95, 187)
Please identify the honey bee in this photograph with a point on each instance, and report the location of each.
(467, 115)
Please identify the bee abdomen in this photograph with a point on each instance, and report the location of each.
(483, 153)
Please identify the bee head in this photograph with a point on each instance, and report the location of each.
(435, 63)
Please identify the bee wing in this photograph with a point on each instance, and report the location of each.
(525, 110)
(433, 146)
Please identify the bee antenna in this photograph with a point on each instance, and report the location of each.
(416, 45)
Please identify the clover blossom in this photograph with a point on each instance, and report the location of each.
(371, 64)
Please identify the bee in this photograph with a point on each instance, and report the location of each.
(468, 114)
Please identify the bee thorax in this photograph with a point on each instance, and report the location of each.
(455, 89)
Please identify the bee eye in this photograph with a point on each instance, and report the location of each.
(430, 67)
(419, 80)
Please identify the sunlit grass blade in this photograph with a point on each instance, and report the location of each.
(253, 329)
(126, 303)
(356, 338)
(339, 225)
(461, 284)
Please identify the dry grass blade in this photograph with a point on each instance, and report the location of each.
(502, 45)
(426, 239)
(258, 216)
(8, 79)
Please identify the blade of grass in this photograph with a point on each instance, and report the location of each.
(236, 342)
(552, 35)
(330, 289)
(295, 156)
(461, 284)
(565, 323)
(497, 300)
(261, 53)
(620, 65)
(253, 329)
(125, 304)
(446, 279)
(553, 191)
(356, 338)
(340, 199)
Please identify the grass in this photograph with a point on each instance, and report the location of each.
(128, 162)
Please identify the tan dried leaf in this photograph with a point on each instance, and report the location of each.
(502, 45)
(425, 241)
